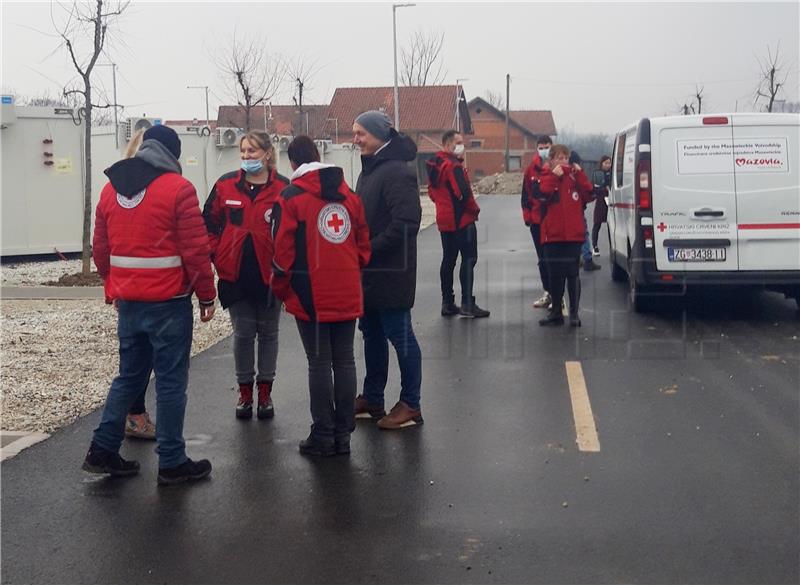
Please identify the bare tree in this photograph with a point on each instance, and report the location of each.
(84, 33)
(422, 60)
(698, 97)
(772, 78)
(299, 73)
(495, 99)
(253, 74)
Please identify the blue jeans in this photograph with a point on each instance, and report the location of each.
(158, 336)
(393, 325)
(586, 249)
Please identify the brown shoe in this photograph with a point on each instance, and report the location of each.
(139, 426)
(367, 410)
(401, 416)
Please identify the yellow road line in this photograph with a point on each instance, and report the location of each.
(585, 427)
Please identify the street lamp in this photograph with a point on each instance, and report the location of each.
(336, 122)
(394, 37)
(458, 103)
(205, 87)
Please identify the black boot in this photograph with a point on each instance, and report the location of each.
(471, 310)
(554, 317)
(574, 320)
(449, 307)
(591, 265)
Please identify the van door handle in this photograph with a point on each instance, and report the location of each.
(708, 213)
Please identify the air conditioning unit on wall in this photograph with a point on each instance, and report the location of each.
(228, 137)
(133, 125)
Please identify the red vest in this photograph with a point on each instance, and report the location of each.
(446, 194)
(567, 197)
(145, 263)
(231, 215)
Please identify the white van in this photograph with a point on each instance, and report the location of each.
(706, 200)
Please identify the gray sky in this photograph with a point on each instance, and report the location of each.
(596, 65)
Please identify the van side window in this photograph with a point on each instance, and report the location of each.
(620, 158)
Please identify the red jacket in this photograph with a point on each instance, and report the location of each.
(321, 245)
(531, 206)
(449, 189)
(565, 199)
(152, 246)
(231, 216)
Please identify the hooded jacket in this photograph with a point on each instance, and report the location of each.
(321, 244)
(238, 220)
(149, 240)
(531, 182)
(388, 189)
(564, 199)
(449, 189)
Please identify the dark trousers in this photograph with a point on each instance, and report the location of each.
(138, 406)
(331, 378)
(380, 327)
(536, 234)
(464, 242)
(595, 233)
(562, 263)
(154, 336)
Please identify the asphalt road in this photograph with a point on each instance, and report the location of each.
(695, 480)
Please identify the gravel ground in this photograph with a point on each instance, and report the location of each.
(59, 357)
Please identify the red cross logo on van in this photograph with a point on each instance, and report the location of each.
(661, 227)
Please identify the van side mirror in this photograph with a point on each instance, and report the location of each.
(598, 178)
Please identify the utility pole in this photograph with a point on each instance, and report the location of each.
(205, 87)
(458, 103)
(508, 99)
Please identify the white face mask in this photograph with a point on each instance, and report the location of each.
(458, 149)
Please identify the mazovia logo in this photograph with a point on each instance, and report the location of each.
(130, 202)
(759, 162)
(333, 223)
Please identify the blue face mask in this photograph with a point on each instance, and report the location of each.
(544, 153)
(252, 166)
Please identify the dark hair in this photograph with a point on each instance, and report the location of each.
(302, 150)
(544, 139)
(448, 136)
(604, 158)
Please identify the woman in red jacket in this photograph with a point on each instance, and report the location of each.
(321, 245)
(238, 215)
(565, 191)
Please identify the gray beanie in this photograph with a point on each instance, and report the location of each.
(376, 123)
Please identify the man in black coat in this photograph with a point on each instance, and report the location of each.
(387, 186)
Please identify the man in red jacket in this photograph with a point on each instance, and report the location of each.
(456, 213)
(151, 249)
(532, 209)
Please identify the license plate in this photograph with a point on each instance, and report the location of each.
(696, 254)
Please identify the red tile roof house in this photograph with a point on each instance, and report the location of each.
(486, 147)
(425, 114)
(281, 120)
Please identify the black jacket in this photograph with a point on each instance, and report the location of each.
(388, 189)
